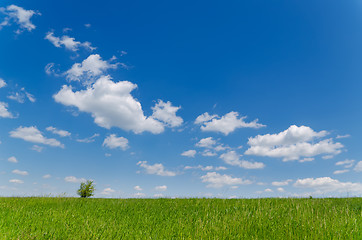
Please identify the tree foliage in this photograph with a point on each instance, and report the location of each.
(86, 189)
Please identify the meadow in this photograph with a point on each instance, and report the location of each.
(75, 218)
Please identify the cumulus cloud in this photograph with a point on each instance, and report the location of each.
(2, 83)
(89, 69)
(358, 167)
(32, 134)
(232, 158)
(156, 169)
(18, 15)
(17, 181)
(306, 160)
(137, 188)
(73, 179)
(89, 139)
(139, 195)
(21, 96)
(205, 117)
(4, 112)
(189, 153)
(346, 163)
(68, 42)
(216, 180)
(281, 183)
(327, 184)
(343, 136)
(112, 141)
(226, 124)
(13, 159)
(280, 189)
(206, 168)
(19, 172)
(51, 70)
(340, 171)
(161, 188)
(292, 144)
(208, 153)
(59, 132)
(206, 143)
(108, 191)
(37, 148)
(47, 176)
(166, 113)
(111, 105)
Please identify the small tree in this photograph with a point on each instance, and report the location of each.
(86, 189)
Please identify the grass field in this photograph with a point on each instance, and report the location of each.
(74, 218)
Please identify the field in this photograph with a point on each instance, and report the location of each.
(74, 218)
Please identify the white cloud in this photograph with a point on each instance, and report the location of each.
(343, 136)
(32, 134)
(47, 176)
(216, 180)
(205, 118)
(327, 184)
(157, 169)
(232, 158)
(282, 183)
(292, 144)
(108, 191)
(30, 97)
(280, 189)
(166, 113)
(17, 181)
(13, 159)
(346, 163)
(89, 139)
(2, 83)
(4, 112)
(211, 146)
(137, 188)
(111, 105)
(268, 190)
(226, 124)
(306, 160)
(18, 97)
(23, 173)
(59, 132)
(340, 171)
(206, 143)
(358, 167)
(189, 153)
(73, 179)
(292, 135)
(112, 141)
(161, 188)
(208, 153)
(87, 25)
(139, 195)
(50, 70)
(206, 168)
(68, 42)
(20, 16)
(37, 148)
(158, 195)
(21, 96)
(89, 69)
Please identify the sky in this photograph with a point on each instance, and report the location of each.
(235, 99)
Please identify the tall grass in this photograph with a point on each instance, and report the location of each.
(72, 218)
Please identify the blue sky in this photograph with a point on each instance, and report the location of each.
(181, 99)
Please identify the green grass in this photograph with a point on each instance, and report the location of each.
(74, 218)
